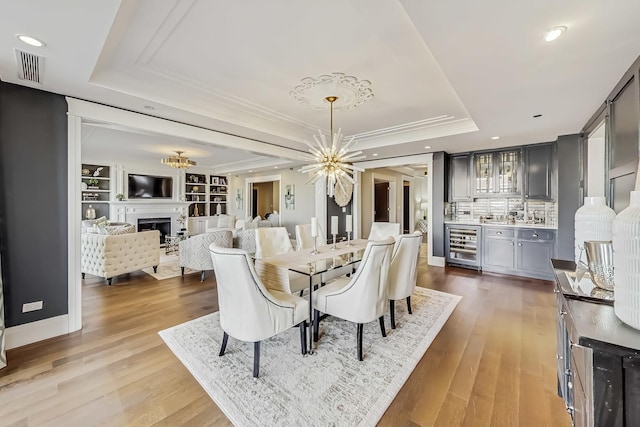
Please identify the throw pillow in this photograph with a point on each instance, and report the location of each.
(114, 230)
(226, 221)
(256, 219)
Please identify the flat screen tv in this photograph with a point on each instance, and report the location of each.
(150, 187)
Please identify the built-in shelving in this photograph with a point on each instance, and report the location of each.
(95, 189)
(218, 193)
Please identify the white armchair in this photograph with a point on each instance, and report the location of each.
(273, 241)
(194, 252)
(361, 298)
(403, 271)
(248, 311)
(111, 255)
(382, 230)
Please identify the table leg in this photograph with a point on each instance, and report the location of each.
(310, 334)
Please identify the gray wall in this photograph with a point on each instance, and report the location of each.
(33, 202)
(439, 175)
(570, 192)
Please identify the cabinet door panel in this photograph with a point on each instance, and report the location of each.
(459, 178)
(498, 252)
(507, 173)
(483, 174)
(535, 256)
(538, 167)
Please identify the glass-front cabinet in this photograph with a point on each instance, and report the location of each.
(497, 173)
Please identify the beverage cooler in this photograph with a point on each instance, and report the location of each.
(464, 245)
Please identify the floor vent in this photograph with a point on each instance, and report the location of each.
(29, 66)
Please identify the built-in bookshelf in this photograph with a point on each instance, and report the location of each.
(218, 195)
(95, 191)
(196, 191)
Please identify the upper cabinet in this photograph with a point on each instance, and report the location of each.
(496, 173)
(459, 178)
(538, 172)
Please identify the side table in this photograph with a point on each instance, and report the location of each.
(172, 243)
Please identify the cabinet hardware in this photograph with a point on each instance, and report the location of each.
(535, 234)
(563, 313)
(519, 244)
(499, 232)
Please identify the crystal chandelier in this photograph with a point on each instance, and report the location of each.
(178, 162)
(332, 159)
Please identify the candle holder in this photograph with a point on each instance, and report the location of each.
(334, 247)
(349, 238)
(315, 248)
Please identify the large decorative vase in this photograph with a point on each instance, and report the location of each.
(593, 221)
(626, 263)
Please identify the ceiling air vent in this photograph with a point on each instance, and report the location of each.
(29, 66)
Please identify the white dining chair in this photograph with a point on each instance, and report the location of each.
(274, 241)
(248, 311)
(382, 230)
(361, 298)
(403, 268)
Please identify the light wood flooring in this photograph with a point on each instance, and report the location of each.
(493, 363)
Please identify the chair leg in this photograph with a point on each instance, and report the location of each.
(182, 271)
(392, 311)
(155, 268)
(109, 281)
(382, 328)
(303, 337)
(225, 338)
(409, 305)
(82, 276)
(301, 292)
(202, 276)
(359, 334)
(256, 359)
(316, 325)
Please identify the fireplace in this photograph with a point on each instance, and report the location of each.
(161, 224)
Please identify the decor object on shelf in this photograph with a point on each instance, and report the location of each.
(90, 213)
(289, 197)
(93, 183)
(600, 263)
(97, 171)
(218, 209)
(593, 222)
(196, 212)
(182, 220)
(85, 171)
(120, 197)
(626, 262)
(424, 206)
(84, 186)
(178, 162)
(331, 159)
(194, 189)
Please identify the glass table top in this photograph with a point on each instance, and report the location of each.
(330, 263)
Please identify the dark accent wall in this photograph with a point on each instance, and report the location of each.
(334, 209)
(33, 202)
(570, 192)
(439, 177)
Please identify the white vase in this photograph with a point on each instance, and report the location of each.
(593, 221)
(626, 263)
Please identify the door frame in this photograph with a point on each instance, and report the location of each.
(263, 178)
(393, 206)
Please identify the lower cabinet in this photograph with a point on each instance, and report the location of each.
(519, 251)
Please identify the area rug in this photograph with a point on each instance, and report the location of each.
(169, 267)
(329, 388)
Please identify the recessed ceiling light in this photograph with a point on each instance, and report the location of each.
(275, 167)
(31, 41)
(495, 137)
(554, 33)
(375, 154)
(427, 147)
(537, 115)
(149, 107)
(250, 171)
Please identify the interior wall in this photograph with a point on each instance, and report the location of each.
(304, 198)
(33, 206)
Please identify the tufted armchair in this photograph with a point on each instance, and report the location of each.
(194, 252)
(108, 256)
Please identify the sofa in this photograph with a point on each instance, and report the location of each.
(194, 252)
(229, 222)
(108, 256)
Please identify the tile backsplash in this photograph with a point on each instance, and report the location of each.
(482, 207)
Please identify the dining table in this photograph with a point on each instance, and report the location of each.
(274, 271)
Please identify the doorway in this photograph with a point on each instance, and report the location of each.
(406, 206)
(264, 198)
(381, 201)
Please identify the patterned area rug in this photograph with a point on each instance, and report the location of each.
(326, 389)
(169, 267)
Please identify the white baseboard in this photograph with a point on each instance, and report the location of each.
(28, 333)
(436, 261)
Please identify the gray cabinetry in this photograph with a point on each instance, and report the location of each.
(459, 188)
(496, 173)
(538, 172)
(498, 248)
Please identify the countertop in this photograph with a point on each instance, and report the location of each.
(595, 321)
(502, 224)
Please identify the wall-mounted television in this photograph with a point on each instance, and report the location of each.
(150, 187)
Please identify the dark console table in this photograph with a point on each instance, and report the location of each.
(598, 358)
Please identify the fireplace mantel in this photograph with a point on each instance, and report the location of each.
(130, 211)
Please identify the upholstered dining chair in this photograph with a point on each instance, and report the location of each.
(382, 230)
(402, 277)
(361, 298)
(194, 252)
(248, 311)
(274, 241)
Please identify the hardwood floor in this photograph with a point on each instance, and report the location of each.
(493, 363)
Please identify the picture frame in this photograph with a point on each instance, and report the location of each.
(214, 180)
(289, 197)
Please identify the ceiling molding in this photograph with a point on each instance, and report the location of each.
(250, 164)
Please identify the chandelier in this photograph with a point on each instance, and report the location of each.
(332, 159)
(178, 162)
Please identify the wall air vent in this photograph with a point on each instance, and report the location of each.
(29, 66)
